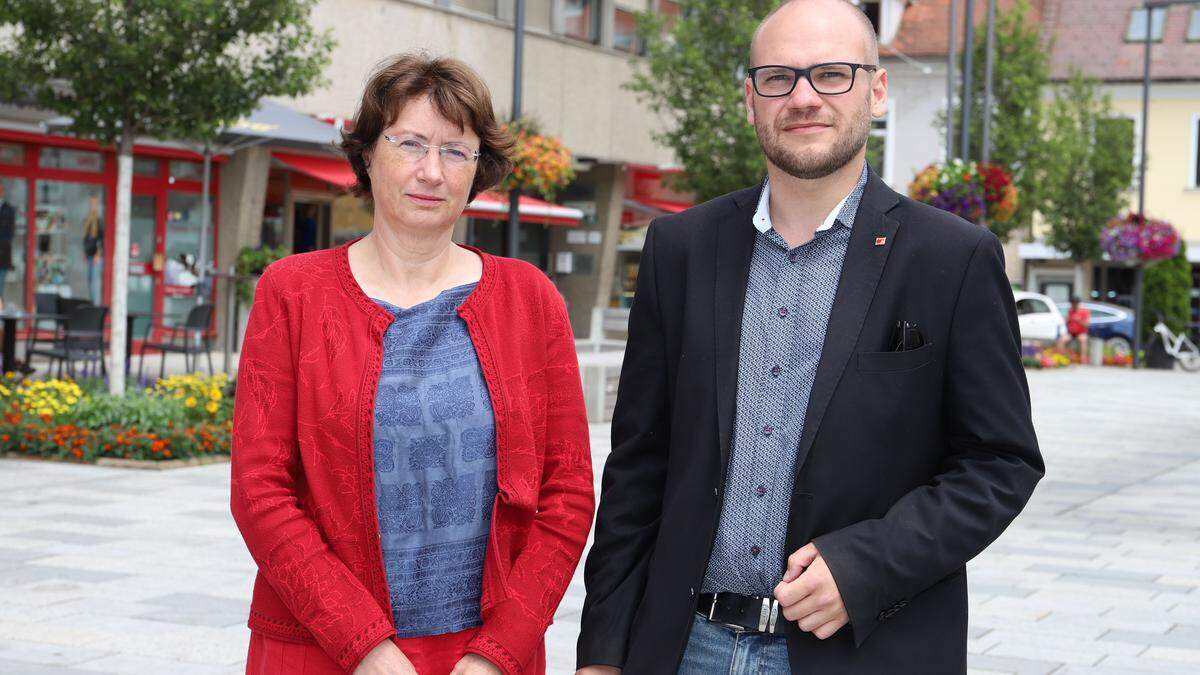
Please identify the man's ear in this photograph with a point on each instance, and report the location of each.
(748, 93)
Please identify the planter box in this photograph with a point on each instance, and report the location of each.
(118, 463)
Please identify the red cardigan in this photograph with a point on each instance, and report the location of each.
(303, 491)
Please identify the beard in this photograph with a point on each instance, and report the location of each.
(813, 163)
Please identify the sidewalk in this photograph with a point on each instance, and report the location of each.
(118, 571)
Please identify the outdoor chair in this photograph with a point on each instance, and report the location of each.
(80, 339)
(190, 338)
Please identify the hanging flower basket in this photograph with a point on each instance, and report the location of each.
(541, 163)
(1134, 238)
(969, 190)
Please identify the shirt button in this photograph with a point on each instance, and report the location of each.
(792, 257)
(755, 550)
(761, 490)
(776, 371)
(768, 430)
(783, 312)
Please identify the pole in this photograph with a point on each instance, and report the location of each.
(989, 63)
(1139, 272)
(968, 93)
(205, 224)
(951, 57)
(513, 248)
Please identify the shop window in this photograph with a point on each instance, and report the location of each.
(70, 240)
(180, 271)
(625, 37)
(145, 166)
(12, 240)
(185, 170)
(581, 19)
(1193, 31)
(12, 153)
(75, 160)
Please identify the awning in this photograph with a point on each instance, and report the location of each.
(494, 206)
(281, 125)
(487, 206)
(638, 210)
(334, 170)
(663, 205)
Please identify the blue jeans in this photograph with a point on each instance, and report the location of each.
(714, 649)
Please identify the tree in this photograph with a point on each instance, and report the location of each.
(1168, 285)
(1088, 181)
(692, 75)
(1020, 75)
(167, 69)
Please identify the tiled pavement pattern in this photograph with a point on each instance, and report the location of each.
(115, 571)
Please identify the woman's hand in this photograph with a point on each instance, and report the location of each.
(385, 659)
(474, 664)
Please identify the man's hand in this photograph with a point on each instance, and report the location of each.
(598, 670)
(474, 664)
(385, 659)
(809, 596)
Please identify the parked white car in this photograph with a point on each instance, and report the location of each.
(1038, 317)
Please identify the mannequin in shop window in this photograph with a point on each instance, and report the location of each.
(8, 225)
(93, 248)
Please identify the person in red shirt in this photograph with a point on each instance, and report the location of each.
(1078, 318)
(411, 465)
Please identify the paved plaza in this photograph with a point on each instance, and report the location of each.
(119, 571)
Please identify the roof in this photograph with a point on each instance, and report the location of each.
(924, 29)
(1090, 35)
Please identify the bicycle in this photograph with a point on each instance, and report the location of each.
(1179, 346)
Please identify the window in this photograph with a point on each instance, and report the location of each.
(1193, 31)
(669, 8)
(1031, 306)
(487, 7)
(185, 170)
(581, 19)
(76, 160)
(1137, 25)
(625, 35)
(12, 153)
(1195, 154)
(538, 14)
(145, 166)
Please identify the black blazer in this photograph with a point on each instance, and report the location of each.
(910, 462)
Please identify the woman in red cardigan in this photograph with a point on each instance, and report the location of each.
(411, 469)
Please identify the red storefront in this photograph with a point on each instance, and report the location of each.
(60, 189)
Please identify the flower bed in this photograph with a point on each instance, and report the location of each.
(180, 417)
(1033, 356)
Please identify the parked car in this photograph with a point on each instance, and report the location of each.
(1111, 323)
(1038, 317)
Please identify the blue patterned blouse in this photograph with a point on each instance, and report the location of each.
(435, 467)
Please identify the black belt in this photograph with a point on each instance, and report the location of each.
(744, 612)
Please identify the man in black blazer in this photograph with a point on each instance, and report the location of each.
(822, 413)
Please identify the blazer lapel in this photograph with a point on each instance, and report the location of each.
(871, 239)
(734, 242)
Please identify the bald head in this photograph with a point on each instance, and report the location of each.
(799, 9)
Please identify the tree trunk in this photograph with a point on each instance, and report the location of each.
(120, 265)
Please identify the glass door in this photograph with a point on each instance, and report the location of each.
(143, 244)
(13, 198)
(181, 253)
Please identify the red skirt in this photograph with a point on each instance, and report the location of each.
(433, 655)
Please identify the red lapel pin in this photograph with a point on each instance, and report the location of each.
(880, 241)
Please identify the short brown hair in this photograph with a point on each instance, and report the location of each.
(457, 93)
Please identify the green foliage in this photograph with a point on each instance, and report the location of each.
(162, 68)
(1086, 183)
(692, 75)
(1020, 74)
(1167, 285)
(250, 263)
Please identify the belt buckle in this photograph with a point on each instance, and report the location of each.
(768, 615)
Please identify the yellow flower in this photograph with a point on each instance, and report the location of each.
(190, 402)
(212, 407)
(9, 375)
(215, 394)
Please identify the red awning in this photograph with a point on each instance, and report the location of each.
(487, 205)
(663, 205)
(329, 169)
(494, 206)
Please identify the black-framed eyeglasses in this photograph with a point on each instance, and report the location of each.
(826, 78)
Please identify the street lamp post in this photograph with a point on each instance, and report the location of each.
(950, 59)
(1139, 271)
(513, 243)
(968, 96)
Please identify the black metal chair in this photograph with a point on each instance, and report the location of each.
(81, 338)
(45, 323)
(190, 338)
